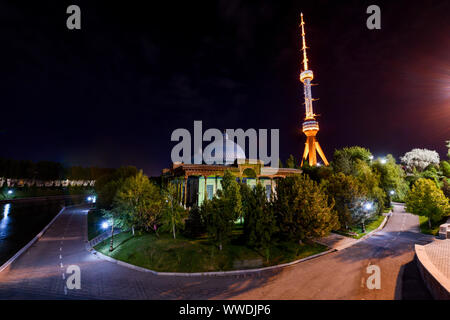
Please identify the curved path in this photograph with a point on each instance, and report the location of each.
(39, 272)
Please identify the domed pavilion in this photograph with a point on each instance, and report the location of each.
(196, 181)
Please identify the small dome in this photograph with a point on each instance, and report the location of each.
(226, 150)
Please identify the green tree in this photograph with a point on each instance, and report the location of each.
(107, 185)
(371, 180)
(446, 187)
(291, 162)
(392, 178)
(139, 201)
(445, 168)
(302, 209)
(173, 213)
(259, 221)
(194, 225)
(222, 210)
(426, 199)
(346, 191)
(345, 159)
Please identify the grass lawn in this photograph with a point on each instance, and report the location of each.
(424, 228)
(199, 255)
(94, 223)
(356, 231)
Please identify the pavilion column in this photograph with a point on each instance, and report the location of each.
(206, 193)
(185, 190)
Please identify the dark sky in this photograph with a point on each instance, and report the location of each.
(111, 93)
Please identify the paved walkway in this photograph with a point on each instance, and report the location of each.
(337, 241)
(40, 272)
(439, 254)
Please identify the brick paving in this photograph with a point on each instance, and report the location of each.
(439, 254)
(40, 272)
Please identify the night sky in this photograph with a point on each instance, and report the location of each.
(111, 93)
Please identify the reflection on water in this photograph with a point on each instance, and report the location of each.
(21, 222)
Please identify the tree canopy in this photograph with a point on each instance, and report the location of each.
(426, 199)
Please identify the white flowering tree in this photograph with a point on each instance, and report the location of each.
(420, 159)
(448, 146)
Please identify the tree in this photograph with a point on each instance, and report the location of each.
(392, 178)
(371, 180)
(139, 201)
(172, 217)
(446, 188)
(194, 225)
(259, 221)
(302, 209)
(362, 211)
(346, 191)
(445, 168)
(107, 185)
(419, 159)
(426, 199)
(222, 210)
(345, 159)
(291, 162)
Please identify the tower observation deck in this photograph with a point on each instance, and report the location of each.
(310, 126)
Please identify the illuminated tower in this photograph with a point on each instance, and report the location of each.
(310, 125)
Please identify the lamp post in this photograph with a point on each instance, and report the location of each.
(111, 245)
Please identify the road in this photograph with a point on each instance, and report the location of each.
(40, 272)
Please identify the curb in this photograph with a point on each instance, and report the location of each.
(381, 226)
(435, 281)
(29, 244)
(198, 274)
(234, 272)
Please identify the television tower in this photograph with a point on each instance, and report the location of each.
(310, 126)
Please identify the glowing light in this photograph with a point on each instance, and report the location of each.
(383, 160)
(371, 157)
(392, 192)
(89, 198)
(368, 206)
(6, 208)
(10, 191)
(105, 225)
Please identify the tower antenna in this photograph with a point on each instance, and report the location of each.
(305, 59)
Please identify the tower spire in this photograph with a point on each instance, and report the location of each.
(310, 126)
(305, 59)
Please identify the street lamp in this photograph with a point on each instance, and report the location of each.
(105, 225)
(10, 192)
(383, 160)
(367, 207)
(392, 192)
